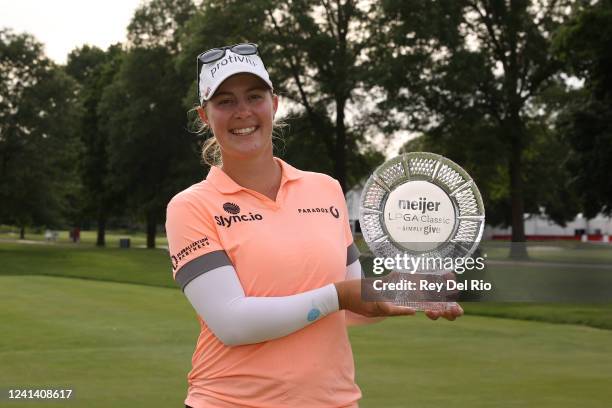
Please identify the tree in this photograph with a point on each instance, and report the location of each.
(94, 69)
(151, 155)
(38, 147)
(486, 58)
(584, 45)
(158, 23)
(547, 182)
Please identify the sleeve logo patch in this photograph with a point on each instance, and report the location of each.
(185, 252)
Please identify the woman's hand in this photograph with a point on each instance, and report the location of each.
(349, 298)
(450, 313)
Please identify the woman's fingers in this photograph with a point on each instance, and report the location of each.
(390, 309)
(450, 313)
(458, 310)
(432, 314)
(401, 310)
(349, 298)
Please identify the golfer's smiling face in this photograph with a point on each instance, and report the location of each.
(240, 114)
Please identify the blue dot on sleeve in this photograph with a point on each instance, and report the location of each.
(313, 314)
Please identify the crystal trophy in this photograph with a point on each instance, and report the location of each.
(421, 205)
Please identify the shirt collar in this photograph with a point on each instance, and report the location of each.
(226, 185)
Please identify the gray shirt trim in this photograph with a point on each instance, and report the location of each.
(352, 254)
(215, 259)
(200, 265)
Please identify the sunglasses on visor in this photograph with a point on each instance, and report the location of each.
(215, 54)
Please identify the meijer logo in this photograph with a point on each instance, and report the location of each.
(422, 205)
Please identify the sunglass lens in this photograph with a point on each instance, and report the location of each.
(245, 49)
(212, 55)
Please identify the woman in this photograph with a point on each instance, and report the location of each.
(264, 253)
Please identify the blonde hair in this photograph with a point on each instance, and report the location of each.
(211, 151)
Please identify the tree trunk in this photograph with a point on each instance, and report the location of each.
(340, 151)
(343, 16)
(101, 241)
(151, 230)
(518, 248)
(22, 232)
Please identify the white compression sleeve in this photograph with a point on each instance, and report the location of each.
(218, 297)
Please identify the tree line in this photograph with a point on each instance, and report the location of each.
(516, 91)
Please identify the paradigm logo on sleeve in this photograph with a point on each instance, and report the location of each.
(235, 216)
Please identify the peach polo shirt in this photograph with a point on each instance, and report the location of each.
(298, 242)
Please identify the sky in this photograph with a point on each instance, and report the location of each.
(63, 25)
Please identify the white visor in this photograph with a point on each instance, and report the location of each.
(213, 74)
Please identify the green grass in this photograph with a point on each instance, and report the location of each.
(142, 266)
(593, 315)
(125, 345)
(116, 345)
(122, 335)
(482, 362)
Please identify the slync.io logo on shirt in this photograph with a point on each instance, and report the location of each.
(235, 216)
